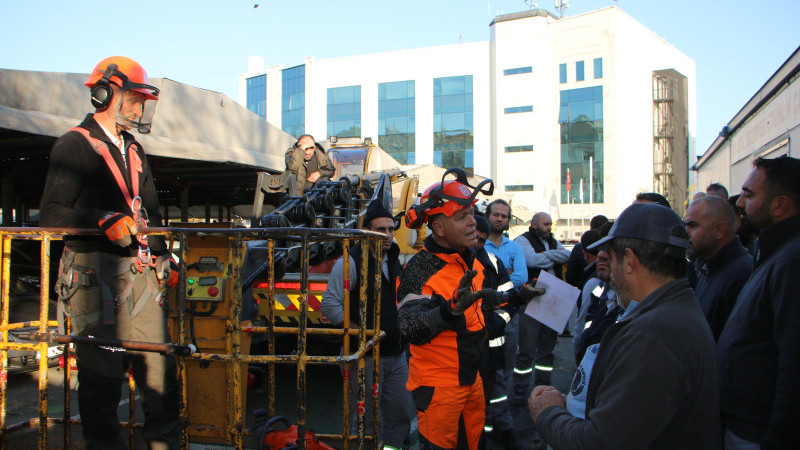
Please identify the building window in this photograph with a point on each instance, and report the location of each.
(581, 120)
(518, 109)
(562, 73)
(579, 71)
(293, 100)
(452, 122)
(257, 95)
(396, 120)
(519, 148)
(519, 188)
(518, 70)
(344, 111)
(598, 68)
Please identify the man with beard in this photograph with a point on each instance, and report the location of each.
(498, 213)
(759, 346)
(746, 233)
(723, 265)
(654, 378)
(536, 341)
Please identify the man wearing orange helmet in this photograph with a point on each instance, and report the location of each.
(439, 312)
(112, 286)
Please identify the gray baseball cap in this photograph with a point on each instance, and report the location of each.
(648, 222)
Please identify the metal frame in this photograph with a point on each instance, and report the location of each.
(180, 348)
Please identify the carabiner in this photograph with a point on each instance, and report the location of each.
(136, 204)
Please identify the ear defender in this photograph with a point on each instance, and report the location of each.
(415, 217)
(101, 91)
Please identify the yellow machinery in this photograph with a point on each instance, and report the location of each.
(209, 323)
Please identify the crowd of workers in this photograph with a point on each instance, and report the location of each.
(685, 336)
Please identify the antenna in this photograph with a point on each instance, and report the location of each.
(561, 6)
(531, 4)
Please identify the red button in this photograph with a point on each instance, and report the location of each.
(213, 291)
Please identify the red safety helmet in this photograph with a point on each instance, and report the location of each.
(128, 75)
(446, 197)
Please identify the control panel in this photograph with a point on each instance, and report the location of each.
(205, 280)
(204, 288)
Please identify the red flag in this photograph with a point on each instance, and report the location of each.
(569, 181)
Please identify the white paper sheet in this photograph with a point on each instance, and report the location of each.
(555, 306)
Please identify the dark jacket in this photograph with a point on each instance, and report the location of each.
(80, 189)
(296, 163)
(759, 348)
(575, 267)
(390, 345)
(601, 318)
(495, 276)
(653, 384)
(719, 281)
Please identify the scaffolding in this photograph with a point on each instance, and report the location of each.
(670, 141)
(663, 135)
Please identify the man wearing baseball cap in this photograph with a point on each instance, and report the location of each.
(653, 383)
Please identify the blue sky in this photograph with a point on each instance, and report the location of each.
(736, 44)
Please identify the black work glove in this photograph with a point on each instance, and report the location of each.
(464, 297)
(525, 294)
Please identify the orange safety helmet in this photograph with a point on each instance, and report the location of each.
(459, 196)
(446, 197)
(128, 75)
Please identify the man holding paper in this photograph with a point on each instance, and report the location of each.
(536, 341)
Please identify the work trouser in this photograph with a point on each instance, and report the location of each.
(450, 417)
(115, 301)
(394, 399)
(498, 415)
(535, 354)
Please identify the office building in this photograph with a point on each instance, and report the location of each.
(571, 115)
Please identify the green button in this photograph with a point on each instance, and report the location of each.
(190, 281)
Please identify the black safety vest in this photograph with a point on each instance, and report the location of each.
(538, 247)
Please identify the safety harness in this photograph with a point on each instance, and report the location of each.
(131, 198)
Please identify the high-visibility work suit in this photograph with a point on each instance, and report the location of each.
(445, 349)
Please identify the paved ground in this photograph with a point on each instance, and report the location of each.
(561, 379)
(324, 393)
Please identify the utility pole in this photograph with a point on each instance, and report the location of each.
(561, 6)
